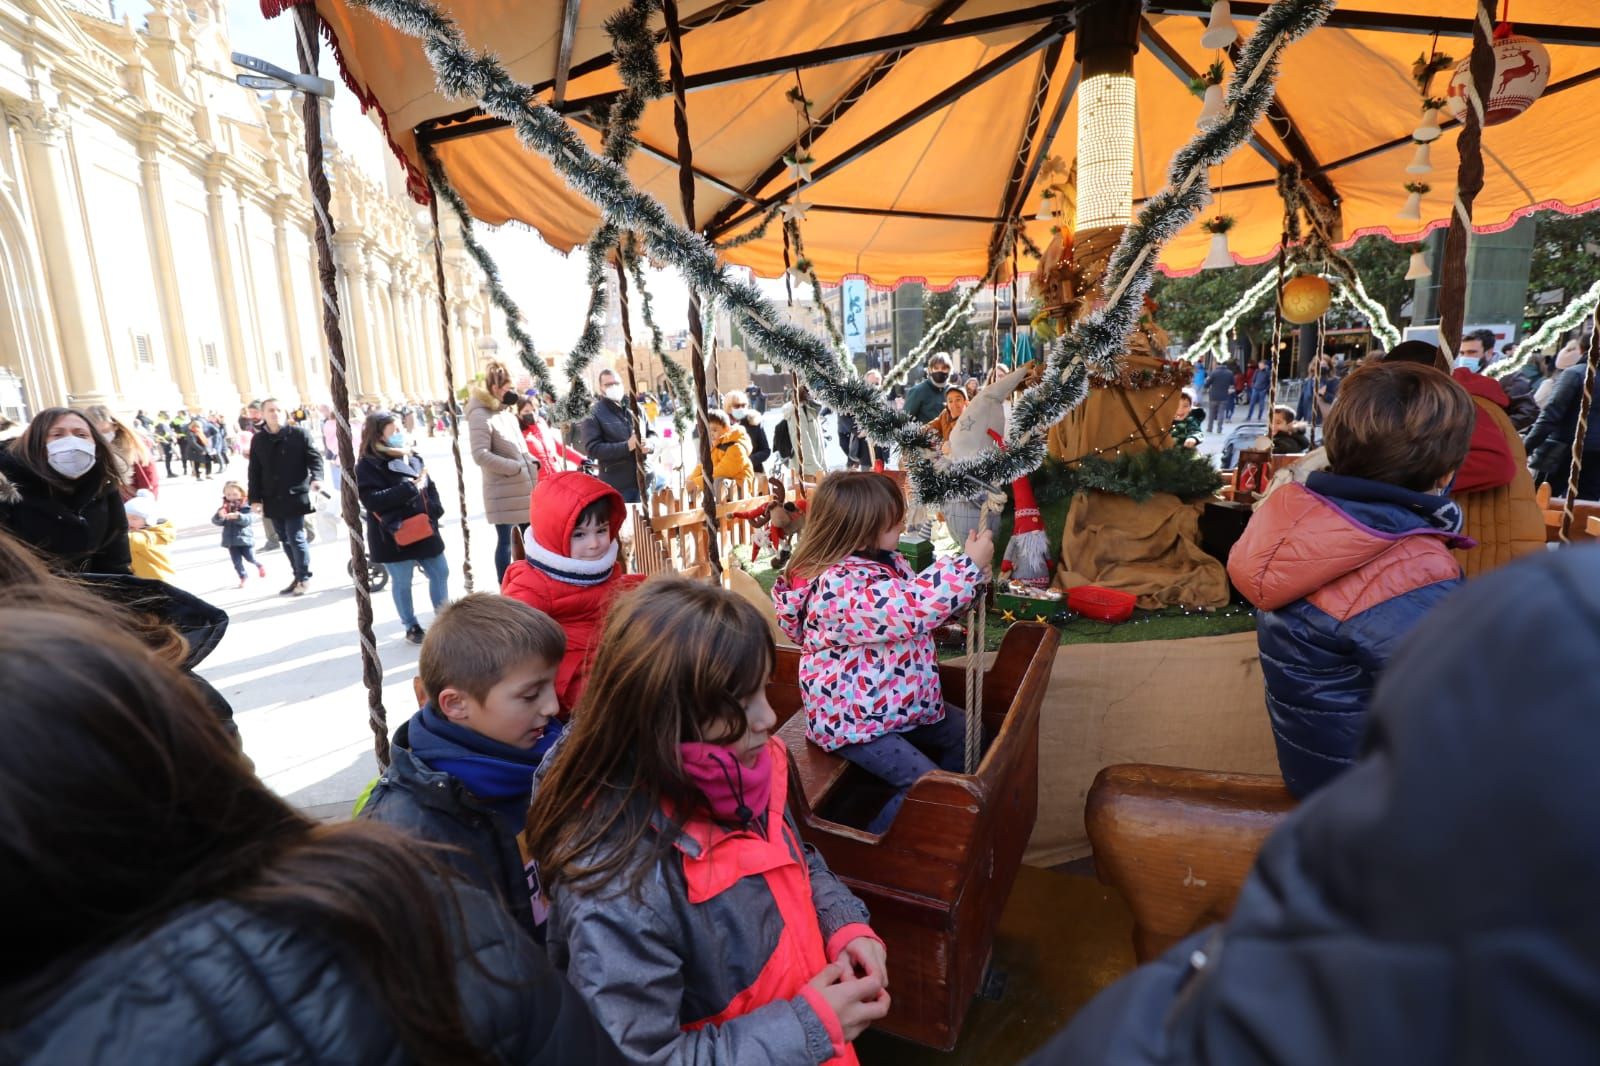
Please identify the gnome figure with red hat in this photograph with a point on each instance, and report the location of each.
(1028, 558)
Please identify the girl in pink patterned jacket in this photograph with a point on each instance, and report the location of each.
(869, 677)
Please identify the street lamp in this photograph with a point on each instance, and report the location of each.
(269, 77)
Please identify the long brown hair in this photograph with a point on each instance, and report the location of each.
(677, 657)
(26, 580)
(849, 511)
(33, 449)
(122, 800)
(370, 430)
(126, 443)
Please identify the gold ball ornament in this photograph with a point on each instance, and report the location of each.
(1306, 299)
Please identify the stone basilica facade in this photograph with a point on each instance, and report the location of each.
(156, 230)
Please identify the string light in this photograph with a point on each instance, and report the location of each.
(1105, 150)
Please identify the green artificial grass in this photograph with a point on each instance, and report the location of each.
(1172, 623)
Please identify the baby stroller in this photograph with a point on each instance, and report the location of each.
(330, 526)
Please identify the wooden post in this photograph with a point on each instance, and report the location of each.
(641, 467)
(1469, 181)
(697, 359)
(371, 667)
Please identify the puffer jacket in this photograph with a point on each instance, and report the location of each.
(578, 595)
(388, 489)
(730, 457)
(868, 665)
(711, 963)
(760, 446)
(1505, 523)
(80, 529)
(1435, 905)
(218, 982)
(1339, 569)
(236, 532)
(437, 807)
(544, 444)
(509, 472)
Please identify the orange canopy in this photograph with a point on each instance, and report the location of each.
(922, 118)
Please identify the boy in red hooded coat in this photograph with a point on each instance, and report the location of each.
(571, 571)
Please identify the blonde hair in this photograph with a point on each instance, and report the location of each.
(226, 485)
(127, 446)
(849, 512)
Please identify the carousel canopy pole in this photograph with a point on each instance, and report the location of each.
(1581, 432)
(640, 467)
(1105, 43)
(1469, 181)
(338, 385)
(451, 404)
(697, 359)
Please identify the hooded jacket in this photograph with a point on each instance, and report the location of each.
(868, 665)
(1488, 464)
(80, 529)
(1339, 569)
(730, 457)
(576, 594)
(1434, 906)
(502, 456)
(711, 962)
(236, 532)
(1550, 440)
(544, 444)
(218, 982)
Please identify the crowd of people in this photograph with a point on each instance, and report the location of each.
(582, 849)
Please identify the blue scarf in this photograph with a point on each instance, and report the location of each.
(498, 775)
(1387, 508)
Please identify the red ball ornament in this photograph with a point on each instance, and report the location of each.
(1306, 299)
(1521, 72)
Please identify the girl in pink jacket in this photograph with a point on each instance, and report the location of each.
(869, 675)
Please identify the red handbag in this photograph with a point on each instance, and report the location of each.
(417, 527)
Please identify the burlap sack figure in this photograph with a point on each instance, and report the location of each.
(1151, 549)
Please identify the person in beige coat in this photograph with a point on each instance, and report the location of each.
(509, 472)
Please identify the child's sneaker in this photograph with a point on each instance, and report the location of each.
(261, 570)
(241, 580)
(415, 634)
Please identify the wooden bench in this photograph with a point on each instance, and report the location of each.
(1178, 843)
(937, 879)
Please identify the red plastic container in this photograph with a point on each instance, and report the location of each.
(1103, 605)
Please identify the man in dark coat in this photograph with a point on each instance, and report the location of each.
(285, 469)
(607, 437)
(1549, 442)
(925, 399)
(1436, 903)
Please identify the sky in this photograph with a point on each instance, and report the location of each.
(548, 286)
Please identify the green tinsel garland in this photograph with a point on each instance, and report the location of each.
(1569, 318)
(1180, 472)
(677, 377)
(1097, 341)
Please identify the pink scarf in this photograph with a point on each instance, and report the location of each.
(737, 794)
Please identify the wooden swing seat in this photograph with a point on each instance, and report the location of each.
(1178, 843)
(938, 878)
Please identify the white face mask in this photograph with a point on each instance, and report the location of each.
(612, 393)
(71, 457)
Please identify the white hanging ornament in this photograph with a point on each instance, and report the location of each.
(1418, 268)
(800, 167)
(1047, 206)
(1412, 211)
(795, 211)
(1220, 30)
(1219, 257)
(1521, 72)
(1429, 129)
(1211, 110)
(1422, 162)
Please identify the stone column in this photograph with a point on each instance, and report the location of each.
(390, 297)
(380, 334)
(177, 330)
(227, 279)
(291, 313)
(66, 256)
(353, 273)
(406, 327)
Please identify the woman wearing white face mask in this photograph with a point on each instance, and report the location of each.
(59, 493)
(398, 495)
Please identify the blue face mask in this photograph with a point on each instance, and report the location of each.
(1466, 362)
(395, 440)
